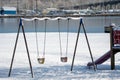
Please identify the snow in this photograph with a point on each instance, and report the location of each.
(9, 8)
(54, 69)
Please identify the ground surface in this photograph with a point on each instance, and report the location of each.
(54, 69)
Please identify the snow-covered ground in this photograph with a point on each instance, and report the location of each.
(54, 69)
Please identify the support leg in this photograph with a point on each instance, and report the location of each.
(88, 46)
(76, 46)
(112, 61)
(27, 51)
(14, 52)
(81, 24)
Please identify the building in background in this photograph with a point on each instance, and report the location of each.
(9, 10)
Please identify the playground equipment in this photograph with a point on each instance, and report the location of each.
(20, 26)
(115, 43)
(63, 58)
(41, 60)
(114, 48)
(82, 25)
(101, 60)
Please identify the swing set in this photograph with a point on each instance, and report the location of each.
(41, 60)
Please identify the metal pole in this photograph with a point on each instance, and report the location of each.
(27, 51)
(81, 24)
(20, 25)
(14, 51)
(88, 46)
(76, 45)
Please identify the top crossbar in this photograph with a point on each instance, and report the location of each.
(47, 18)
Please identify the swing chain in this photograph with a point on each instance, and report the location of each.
(35, 22)
(45, 38)
(59, 37)
(67, 36)
(37, 38)
(63, 59)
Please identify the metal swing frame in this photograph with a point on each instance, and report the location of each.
(81, 24)
(20, 26)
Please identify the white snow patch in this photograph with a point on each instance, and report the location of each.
(54, 69)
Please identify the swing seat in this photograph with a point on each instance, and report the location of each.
(41, 60)
(63, 59)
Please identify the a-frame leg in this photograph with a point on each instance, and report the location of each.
(20, 26)
(81, 25)
(88, 46)
(27, 51)
(14, 52)
(76, 46)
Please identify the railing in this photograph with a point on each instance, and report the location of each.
(24, 16)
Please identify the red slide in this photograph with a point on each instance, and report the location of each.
(101, 60)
